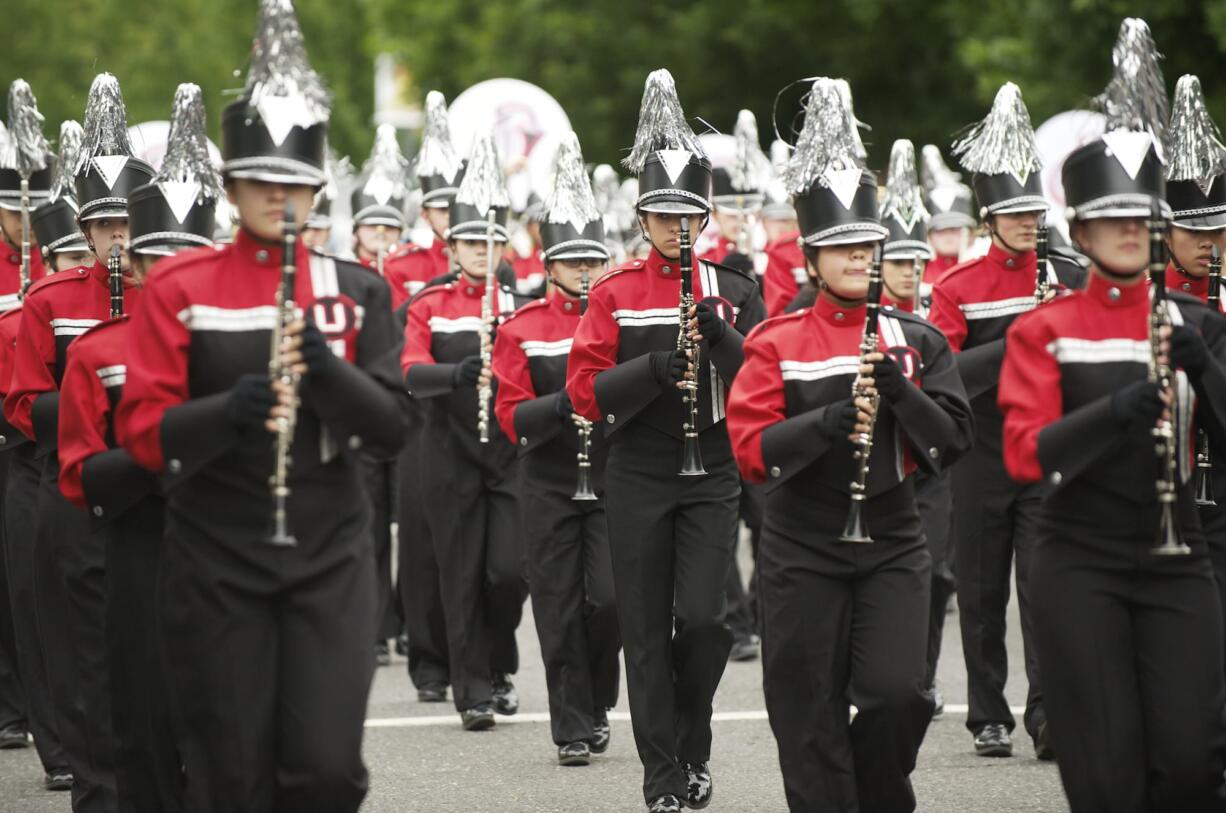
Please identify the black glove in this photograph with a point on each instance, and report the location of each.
(1188, 351)
(315, 350)
(667, 366)
(1137, 405)
(739, 261)
(891, 383)
(562, 406)
(251, 399)
(839, 420)
(466, 372)
(710, 324)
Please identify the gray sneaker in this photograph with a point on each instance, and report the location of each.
(993, 741)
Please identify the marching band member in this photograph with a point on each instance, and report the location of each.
(952, 224)
(468, 468)
(1126, 614)
(844, 623)
(122, 498)
(570, 574)
(279, 582)
(671, 537)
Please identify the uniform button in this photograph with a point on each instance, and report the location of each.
(775, 471)
(355, 443)
(840, 316)
(14, 259)
(97, 509)
(175, 466)
(1055, 478)
(1113, 294)
(610, 418)
(523, 441)
(1009, 263)
(261, 256)
(1187, 286)
(568, 305)
(934, 453)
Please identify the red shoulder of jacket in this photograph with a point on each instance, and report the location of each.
(1053, 310)
(188, 258)
(407, 249)
(108, 327)
(960, 269)
(77, 274)
(632, 265)
(12, 314)
(776, 323)
(432, 291)
(532, 307)
(101, 338)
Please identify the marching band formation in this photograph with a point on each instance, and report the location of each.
(215, 436)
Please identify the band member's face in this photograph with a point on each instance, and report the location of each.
(106, 232)
(947, 242)
(1017, 230)
(370, 239)
(1118, 244)
(316, 238)
(664, 231)
(63, 260)
(1190, 248)
(568, 273)
(730, 224)
(844, 269)
(10, 223)
(261, 205)
(899, 279)
(777, 227)
(438, 218)
(472, 257)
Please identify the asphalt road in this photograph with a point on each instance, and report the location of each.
(420, 759)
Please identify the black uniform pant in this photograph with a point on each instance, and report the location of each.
(417, 579)
(932, 494)
(12, 695)
(845, 624)
(380, 481)
(73, 613)
(742, 603)
(24, 599)
(270, 661)
(995, 523)
(671, 540)
(148, 769)
(474, 525)
(570, 579)
(1131, 646)
(1213, 520)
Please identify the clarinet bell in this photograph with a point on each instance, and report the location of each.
(854, 531)
(691, 457)
(1204, 487)
(1170, 535)
(583, 488)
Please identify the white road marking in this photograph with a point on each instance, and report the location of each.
(620, 716)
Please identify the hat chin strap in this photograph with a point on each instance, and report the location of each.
(992, 231)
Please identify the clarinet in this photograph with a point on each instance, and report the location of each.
(854, 530)
(114, 269)
(284, 373)
(1204, 462)
(1169, 540)
(25, 236)
(486, 333)
(691, 454)
(1042, 278)
(583, 484)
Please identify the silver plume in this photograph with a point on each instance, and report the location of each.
(483, 186)
(904, 198)
(1135, 99)
(827, 141)
(279, 65)
(1194, 149)
(437, 155)
(605, 186)
(106, 122)
(187, 149)
(71, 136)
(662, 124)
(854, 123)
(571, 199)
(933, 170)
(28, 143)
(751, 169)
(1004, 141)
(386, 160)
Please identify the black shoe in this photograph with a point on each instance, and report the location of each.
(60, 779)
(506, 701)
(382, 656)
(1042, 744)
(745, 649)
(574, 753)
(667, 803)
(402, 645)
(432, 693)
(13, 736)
(698, 787)
(993, 741)
(938, 701)
(601, 734)
(478, 718)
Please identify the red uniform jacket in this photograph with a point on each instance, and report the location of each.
(410, 267)
(529, 272)
(10, 321)
(785, 272)
(57, 309)
(10, 273)
(720, 251)
(1198, 287)
(93, 382)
